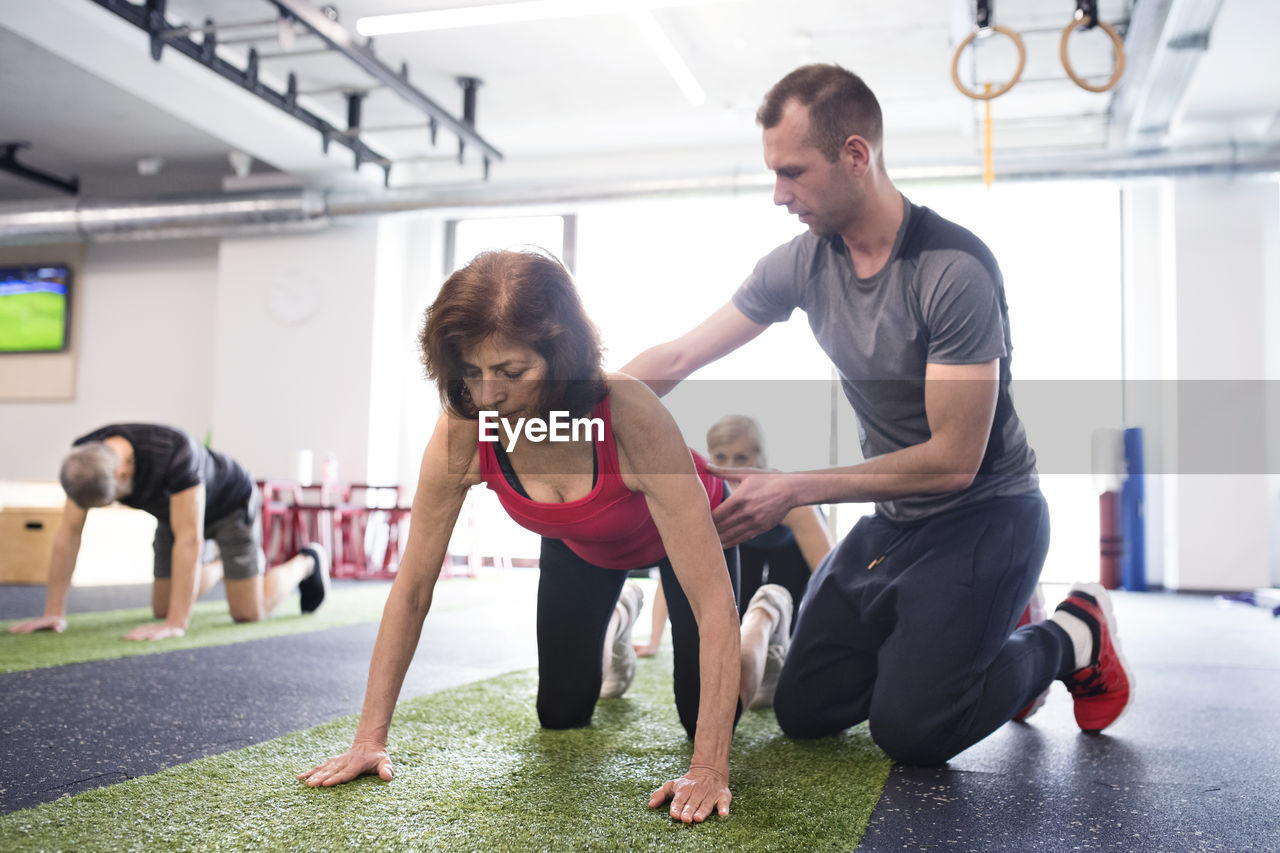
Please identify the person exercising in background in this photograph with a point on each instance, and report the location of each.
(195, 494)
(785, 555)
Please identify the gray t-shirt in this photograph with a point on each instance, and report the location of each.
(940, 299)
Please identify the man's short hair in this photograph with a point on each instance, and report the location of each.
(840, 105)
(88, 475)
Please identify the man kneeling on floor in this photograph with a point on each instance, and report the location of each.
(196, 495)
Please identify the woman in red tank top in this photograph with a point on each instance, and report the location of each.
(508, 344)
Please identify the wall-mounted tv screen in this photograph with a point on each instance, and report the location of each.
(35, 308)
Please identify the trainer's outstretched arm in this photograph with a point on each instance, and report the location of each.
(663, 366)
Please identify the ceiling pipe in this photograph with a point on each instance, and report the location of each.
(304, 210)
(107, 221)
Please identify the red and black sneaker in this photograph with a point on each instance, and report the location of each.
(1033, 614)
(1102, 689)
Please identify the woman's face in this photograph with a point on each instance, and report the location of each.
(740, 453)
(504, 376)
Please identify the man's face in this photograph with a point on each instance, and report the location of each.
(124, 483)
(821, 193)
(124, 475)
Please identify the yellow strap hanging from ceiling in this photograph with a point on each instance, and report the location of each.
(988, 167)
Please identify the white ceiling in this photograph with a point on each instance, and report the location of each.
(584, 98)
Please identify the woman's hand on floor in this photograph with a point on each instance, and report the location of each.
(360, 759)
(695, 795)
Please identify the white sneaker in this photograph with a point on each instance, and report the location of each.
(777, 601)
(619, 655)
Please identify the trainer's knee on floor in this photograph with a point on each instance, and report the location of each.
(798, 718)
(909, 742)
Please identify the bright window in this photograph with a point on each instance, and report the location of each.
(1059, 250)
(649, 270)
(483, 528)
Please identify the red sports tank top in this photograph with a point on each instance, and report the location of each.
(610, 526)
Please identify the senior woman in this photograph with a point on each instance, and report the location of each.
(507, 336)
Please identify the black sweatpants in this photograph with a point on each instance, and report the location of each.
(912, 628)
(575, 602)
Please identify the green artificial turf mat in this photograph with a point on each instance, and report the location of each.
(474, 772)
(100, 636)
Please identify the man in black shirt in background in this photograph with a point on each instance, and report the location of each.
(195, 494)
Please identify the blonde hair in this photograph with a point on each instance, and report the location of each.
(733, 427)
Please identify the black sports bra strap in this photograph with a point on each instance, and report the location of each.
(504, 465)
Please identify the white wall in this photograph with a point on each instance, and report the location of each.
(1202, 258)
(315, 338)
(269, 344)
(1271, 313)
(144, 331)
(1149, 310)
(295, 325)
(419, 403)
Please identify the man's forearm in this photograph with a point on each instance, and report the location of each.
(658, 367)
(185, 563)
(922, 469)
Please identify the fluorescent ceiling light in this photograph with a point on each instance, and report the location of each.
(670, 57)
(505, 13)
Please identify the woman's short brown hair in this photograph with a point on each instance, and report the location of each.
(528, 298)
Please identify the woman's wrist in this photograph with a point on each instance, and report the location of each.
(721, 773)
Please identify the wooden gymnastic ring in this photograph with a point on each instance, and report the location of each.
(1116, 42)
(994, 93)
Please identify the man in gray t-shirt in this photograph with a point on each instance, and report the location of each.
(910, 622)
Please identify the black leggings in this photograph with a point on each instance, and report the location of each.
(575, 602)
(787, 567)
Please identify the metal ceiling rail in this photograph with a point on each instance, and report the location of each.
(9, 163)
(337, 37)
(150, 18)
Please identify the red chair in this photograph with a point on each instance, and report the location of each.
(280, 529)
(368, 526)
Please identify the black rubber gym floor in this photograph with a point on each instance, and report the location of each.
(1192, 766)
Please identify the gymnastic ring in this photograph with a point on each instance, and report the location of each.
(994, 93)
(1117, 44)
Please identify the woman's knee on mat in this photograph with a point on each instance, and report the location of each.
(563, 715)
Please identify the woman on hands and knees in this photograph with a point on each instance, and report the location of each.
(509, 346)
